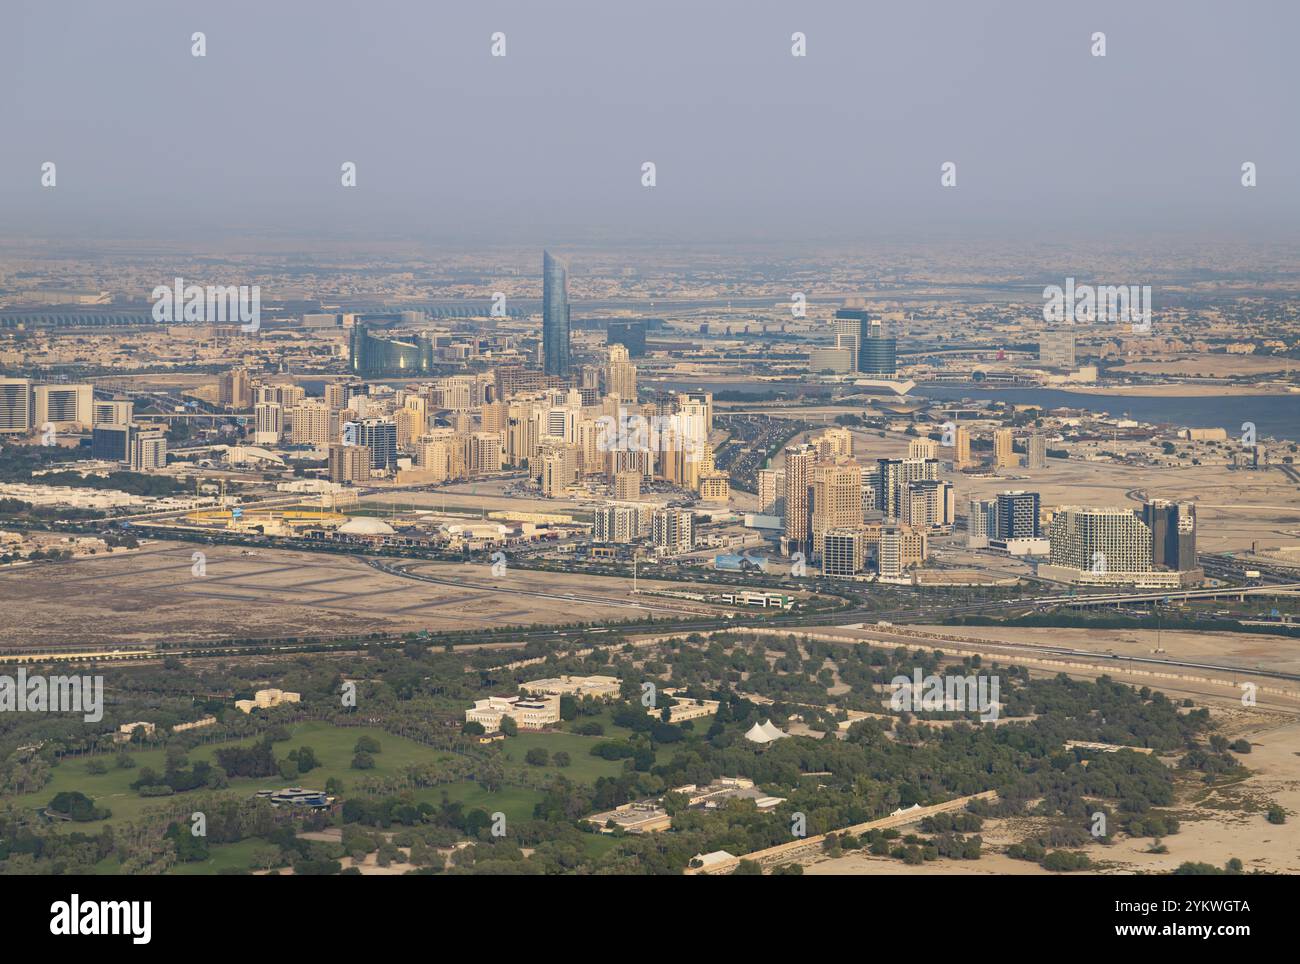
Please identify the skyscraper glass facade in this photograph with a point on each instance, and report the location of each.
(555, 316)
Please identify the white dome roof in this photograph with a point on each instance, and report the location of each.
(365, 526)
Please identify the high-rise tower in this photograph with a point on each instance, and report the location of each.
(875, 343)
(555, 316)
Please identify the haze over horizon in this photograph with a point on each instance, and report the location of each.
(545, 145)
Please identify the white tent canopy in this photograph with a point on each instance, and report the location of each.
(764, 732)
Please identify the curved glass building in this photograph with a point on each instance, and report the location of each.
(369, 355)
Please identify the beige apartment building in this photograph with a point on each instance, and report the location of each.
(313, 423)
(715, 486)
(235, 390)
(627, 486)
(61, 405)
(1004, 455)
(771, 489)
(961, 448)
(349, 463)
(923, 448)
(799, 462)
(836, 499)
(834, 443)
(484, 453)
(620, 374)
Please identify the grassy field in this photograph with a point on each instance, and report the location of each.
(333, 746)
(226, 856)
(515, 802)
(584, 767)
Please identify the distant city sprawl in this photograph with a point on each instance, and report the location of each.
(584, 439)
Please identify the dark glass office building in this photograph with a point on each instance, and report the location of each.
(111, 443)
(555, 317)
(629, 334)
(1018, 515)
(1173, 534)
(877, 345)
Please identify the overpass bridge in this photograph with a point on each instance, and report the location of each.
(1168, 595)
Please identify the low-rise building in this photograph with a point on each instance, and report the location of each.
(195, 724)
(639, 816)
(650, 815)
(686, 709)
(534, 713)
(126, 730)
(266, 699)
(297, 797)
(599, 687)
(719, 791)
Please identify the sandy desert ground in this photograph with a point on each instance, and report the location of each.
(152, 596)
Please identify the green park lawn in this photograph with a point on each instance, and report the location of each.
(515, 802)
(333, 746)
(584, 767)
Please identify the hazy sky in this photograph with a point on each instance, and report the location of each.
(547, 143)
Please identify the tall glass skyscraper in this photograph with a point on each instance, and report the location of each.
(878, 350)
(555, 316)
(873, 340)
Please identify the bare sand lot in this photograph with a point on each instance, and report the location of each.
(153, 596)
(1185, 389)
(862, 864)
(1207, 365)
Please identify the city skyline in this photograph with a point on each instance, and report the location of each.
(891, 468)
